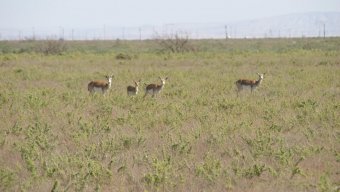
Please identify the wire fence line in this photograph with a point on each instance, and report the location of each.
(212, 31)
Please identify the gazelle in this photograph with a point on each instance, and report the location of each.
(133, 90)
(245, 83)
(154, 89)
(100, 85)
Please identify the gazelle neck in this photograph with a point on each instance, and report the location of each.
(258, 82)
(109, 82)
(162, 84)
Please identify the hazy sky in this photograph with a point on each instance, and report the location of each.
(95, 13)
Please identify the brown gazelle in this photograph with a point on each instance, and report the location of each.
(154, 89)
(100, 85)
(245, 83)
(133, 90)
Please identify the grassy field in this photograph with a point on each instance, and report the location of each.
(196, 135)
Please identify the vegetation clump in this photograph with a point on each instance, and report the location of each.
(53, 47)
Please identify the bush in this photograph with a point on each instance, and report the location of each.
(53, 47)
(175, 44)
(122, 56)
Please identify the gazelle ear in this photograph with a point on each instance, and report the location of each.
(166, 78)
(258, 73)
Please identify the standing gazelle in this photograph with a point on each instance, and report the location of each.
(154, 89)
(100, 85)
(133, 90)
(245, 83)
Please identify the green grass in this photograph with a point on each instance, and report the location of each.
(196, 135)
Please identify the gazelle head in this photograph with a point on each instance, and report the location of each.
(137, 83)
(163, 80)
(261, 75)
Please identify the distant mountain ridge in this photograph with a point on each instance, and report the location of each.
(313, 24)
(293, 25)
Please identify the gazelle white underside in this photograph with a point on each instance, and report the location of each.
(245, 87)
(153, 91)
(132, 92)
(97, 89)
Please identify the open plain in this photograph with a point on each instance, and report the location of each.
(197, 134)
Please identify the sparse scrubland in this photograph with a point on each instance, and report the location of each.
(196, 135)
